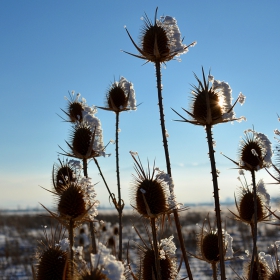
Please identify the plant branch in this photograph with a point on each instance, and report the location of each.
(168, 166)
(120, 206)
(216, 198)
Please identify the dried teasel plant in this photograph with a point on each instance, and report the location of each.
(211, 105)
(76, 204)
(119, 97)
(150, 267)
(78, 110)
(161, 42)
(65, 173)
(53, 258)
(254, 154)
(261, 269)
(245, 204)
(149, 194)
(208, 246)
(149, 198)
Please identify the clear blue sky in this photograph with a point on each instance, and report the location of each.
(50, 47)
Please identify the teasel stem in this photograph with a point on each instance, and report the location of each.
(91, 225)
(85, 167)
(168, 166)
(214, 269)
(155, 247)
(71, 239)
(254, 227)
(216, 198)
(120, 206)
(103, 178)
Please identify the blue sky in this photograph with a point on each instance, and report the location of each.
(51, 47)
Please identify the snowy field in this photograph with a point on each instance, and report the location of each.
(20, 232)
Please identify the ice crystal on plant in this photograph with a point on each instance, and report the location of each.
(111, 267)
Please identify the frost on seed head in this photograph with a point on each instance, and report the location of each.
(161, 175)
(169, 24)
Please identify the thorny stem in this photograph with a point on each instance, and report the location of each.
(120, 207)
(168, 166)
(103, 178)
(254, 228)
(214, 269)
(91, 225)
(155, 247)
(71, 237)
(217, 202)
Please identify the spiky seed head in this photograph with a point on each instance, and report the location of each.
(149, 266)
(116, 99)
(72, 203)
(246, 206)
(262, 271)
(210, 247)
(62, 176)
(155, 43)
(53, 263)
(251, 152)
(274, 275)
(95, 274)
(111, 242)
(116, 231)
(200, 109)
(151, 193)
(75, 111)
(81, 139)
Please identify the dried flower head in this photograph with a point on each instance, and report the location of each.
(260, 270)
(160, 41)
(76, 203)
(120, 97)
(64, 173)
(245, 204)
(86, 142)
(212, 104)
(149, 193)
(208, 244)
(147, 266)
(53, 259)
(255, 151)
(77, 108)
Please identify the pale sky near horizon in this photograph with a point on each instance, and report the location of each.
(51, 47)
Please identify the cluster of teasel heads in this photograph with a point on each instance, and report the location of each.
(152, 193)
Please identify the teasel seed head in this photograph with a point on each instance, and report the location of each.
(255, 151)
(120, 97)
(210, 247)
(262, 271)
(246, 207)
(53, 260)
(53, 264)
(167, 260)
(149, 266)
(86, 142)
(62, 175)
(149, 194)
(160, 40)
(212, 104)
(116, 98)
(245, 204)
(72, 204)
